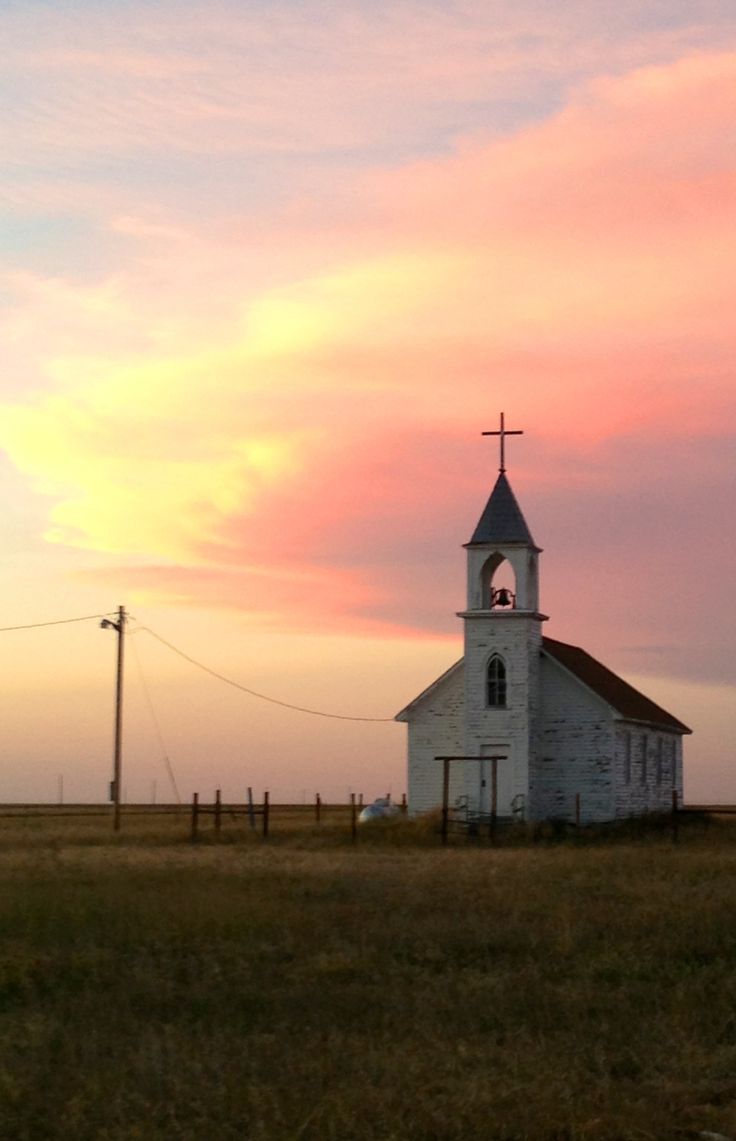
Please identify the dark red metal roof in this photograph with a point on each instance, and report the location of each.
(613, 689)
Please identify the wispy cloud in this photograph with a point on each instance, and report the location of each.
(231, 399)
(309, 79)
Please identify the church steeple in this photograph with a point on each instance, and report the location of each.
(502, 539)
(503, 646)
(502, 520)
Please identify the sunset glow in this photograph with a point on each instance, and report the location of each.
(266, 276)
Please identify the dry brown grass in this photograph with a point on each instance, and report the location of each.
(394, 992)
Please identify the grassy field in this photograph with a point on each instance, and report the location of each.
(392, 991)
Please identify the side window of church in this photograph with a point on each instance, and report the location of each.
(496, 683)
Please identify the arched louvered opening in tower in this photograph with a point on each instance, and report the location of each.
(498, 586)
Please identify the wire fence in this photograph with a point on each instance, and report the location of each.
(201, 819)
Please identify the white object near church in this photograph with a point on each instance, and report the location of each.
(567, 730)
(378, 810)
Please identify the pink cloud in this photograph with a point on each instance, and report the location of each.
(578, 274)
(223, 79)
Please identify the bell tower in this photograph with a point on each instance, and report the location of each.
(503, 644)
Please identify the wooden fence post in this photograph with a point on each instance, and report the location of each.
(218, 812)
(353, 818)
(266, 814)
(404, 805)
(317, 807)
(195, 816)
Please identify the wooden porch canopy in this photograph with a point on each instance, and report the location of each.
(446, 762)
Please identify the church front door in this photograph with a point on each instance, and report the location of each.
(503, 778)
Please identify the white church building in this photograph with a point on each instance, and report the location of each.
(569, 735)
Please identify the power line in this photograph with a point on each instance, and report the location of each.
(56, 622)
(252, 692)
(201, 666)
(157, 726)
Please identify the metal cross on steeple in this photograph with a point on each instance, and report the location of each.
(503, 432)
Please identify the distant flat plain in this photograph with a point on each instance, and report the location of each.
(309, 988)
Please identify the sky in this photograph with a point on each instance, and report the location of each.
(267, 271)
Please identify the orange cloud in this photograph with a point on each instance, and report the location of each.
(578, 273)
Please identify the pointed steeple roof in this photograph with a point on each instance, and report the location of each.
(502, 520)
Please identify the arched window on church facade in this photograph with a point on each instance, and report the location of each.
(496, 683)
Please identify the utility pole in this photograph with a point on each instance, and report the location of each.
(118, 757)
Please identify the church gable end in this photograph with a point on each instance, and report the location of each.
(435, 719)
